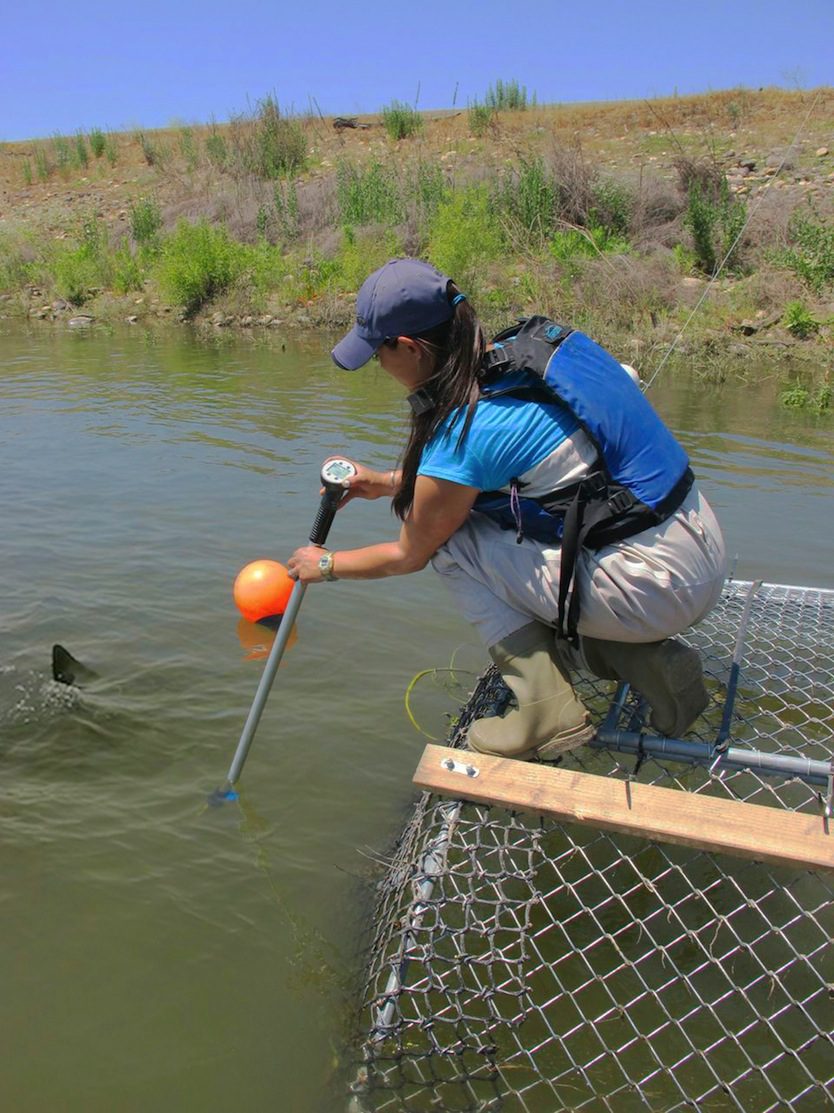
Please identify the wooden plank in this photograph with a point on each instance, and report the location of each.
(664, 814)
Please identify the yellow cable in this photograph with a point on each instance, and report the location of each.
(412, 685)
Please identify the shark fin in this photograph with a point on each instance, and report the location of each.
(66, 670)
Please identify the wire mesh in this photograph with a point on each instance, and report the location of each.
(522, 964)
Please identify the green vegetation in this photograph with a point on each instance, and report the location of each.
(716, 219)
(197, 263)
(481, 118)
(97, 142)
(800, 397)
(145, 221)
(465, 235)
(15, 261)
(151, 152)
(799, 321)
(188, 147)
(812, 255)
(368, 194)
(83, 268)
(530, 198)
(506, 96)
(559, 210)
(216, 148)
(82, 158)
(277, 145)
(286, 208)
(401, 121)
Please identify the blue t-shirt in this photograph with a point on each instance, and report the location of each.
(507, 437)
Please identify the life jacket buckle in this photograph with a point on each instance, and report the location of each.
(621, 501)
(497, 362)
(594, 485)
(421, 401)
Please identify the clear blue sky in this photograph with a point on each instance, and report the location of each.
(65, 66)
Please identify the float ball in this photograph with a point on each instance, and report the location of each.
(262, 589)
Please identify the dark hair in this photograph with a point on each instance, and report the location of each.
(455, 384)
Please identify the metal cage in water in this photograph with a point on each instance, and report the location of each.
(524, 964)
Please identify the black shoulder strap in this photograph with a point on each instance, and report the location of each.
(527, 345)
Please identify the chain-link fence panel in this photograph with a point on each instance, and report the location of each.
(522, 964)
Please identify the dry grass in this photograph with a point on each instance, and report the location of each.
(651, 149)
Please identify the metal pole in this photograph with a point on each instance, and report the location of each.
(267, 677)
(690, 752)
(333, 494)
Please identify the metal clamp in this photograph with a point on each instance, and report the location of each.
(460, 767)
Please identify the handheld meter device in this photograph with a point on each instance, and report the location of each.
(334, 472)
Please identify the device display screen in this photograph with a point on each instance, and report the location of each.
(337, 470)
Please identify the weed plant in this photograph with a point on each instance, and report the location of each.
(799, 321)
(506, 96)
(799, 397)
(198, 262)
(62, 151)
(529, 200)
(481, 118)
(97, 142)
(426, 189)
(400, 120)
(128, 270)
(216, 149)
(612, 208)
(368, 194)
(715, 223)
(27, 172)
(82, 158)
(145, 222)
(812, 256)
(42, 166)
(286, 209)
(16, 263)
(569, 244)
(80, 270)
(188, 147)
(151, 153)
(278, 146)
(263, 222)
(466, 235)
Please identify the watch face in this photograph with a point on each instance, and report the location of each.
(326, 566)
(336, 471)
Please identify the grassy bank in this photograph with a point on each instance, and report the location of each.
(614, 217)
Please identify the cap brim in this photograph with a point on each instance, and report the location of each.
(353, 351)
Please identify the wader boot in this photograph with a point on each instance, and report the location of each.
(668, 674)
(549, 718)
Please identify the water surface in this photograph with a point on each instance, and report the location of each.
(160, 955)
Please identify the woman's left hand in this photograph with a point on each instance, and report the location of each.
(303, 565)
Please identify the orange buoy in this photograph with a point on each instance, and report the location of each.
(262, 589)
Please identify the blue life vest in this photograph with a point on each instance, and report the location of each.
(642, 473)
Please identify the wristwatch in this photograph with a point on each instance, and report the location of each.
(326, 568)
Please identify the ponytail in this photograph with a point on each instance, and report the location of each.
(455, 384)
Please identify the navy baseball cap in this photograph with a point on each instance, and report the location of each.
(403, 298)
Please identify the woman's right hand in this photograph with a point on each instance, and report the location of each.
(369, 484)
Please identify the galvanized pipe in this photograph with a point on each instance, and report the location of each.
(692, 752)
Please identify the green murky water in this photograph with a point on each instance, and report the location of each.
(158, 954)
